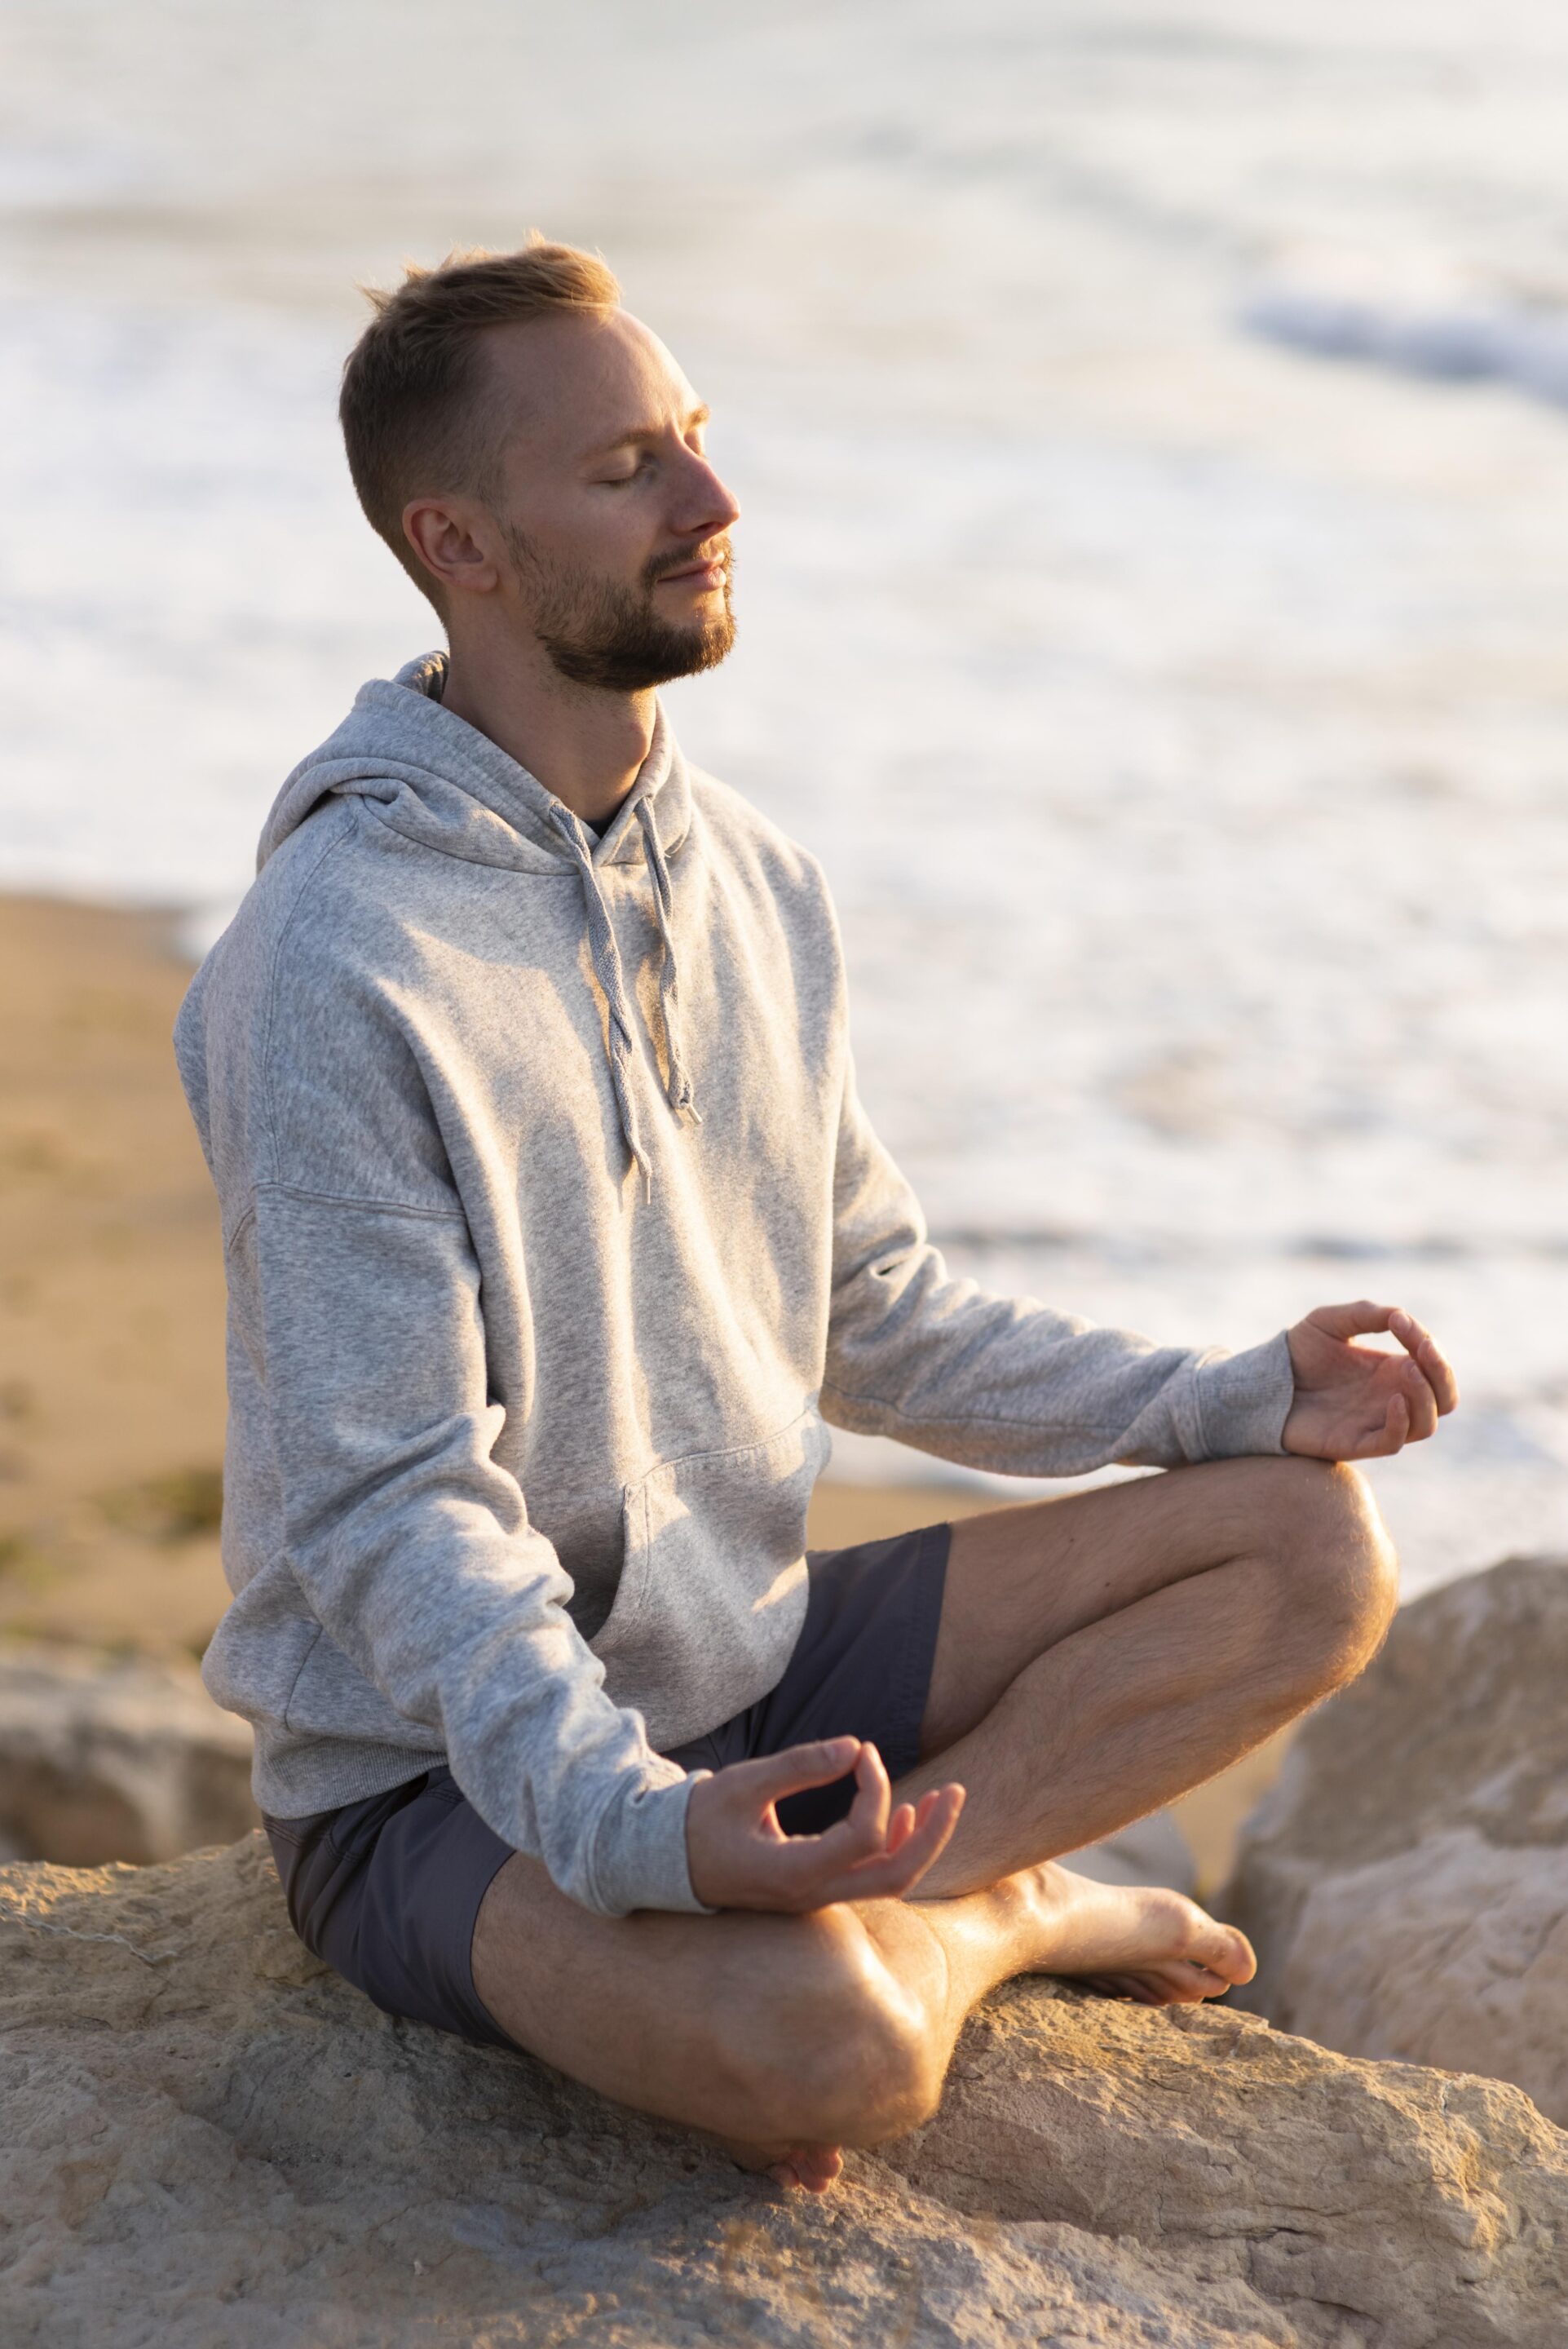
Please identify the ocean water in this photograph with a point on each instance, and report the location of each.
(1151, 424)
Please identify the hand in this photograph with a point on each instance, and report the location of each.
(740, 1858)
(1357, 1402)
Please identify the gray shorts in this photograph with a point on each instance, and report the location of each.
(387, 1892)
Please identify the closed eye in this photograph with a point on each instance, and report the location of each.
(618, 480)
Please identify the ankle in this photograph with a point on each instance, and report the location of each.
(1007, 1918)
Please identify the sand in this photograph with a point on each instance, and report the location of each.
(112, 1292)
(111, 1320)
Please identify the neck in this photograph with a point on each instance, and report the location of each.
(584, 745)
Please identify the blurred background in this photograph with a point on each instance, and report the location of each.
(1152, 427)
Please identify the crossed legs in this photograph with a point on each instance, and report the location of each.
(1098, 1655)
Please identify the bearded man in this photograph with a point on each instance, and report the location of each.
(555, 1232)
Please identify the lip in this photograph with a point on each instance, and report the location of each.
(710, 575)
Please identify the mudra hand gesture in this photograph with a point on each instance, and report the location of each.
(1359, 1402)
(740, 1858)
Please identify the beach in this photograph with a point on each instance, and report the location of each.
(1152, 584)
(112, 1292)
(111, 1322)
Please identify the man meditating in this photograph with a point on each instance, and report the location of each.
(555, 1231)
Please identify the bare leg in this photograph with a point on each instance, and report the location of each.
(787, 2037)
(1169, 1626)
(1164, 1629)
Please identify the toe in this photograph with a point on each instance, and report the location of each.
(811, 2168)
(1188, 1983)
(1134, 1986)
(1217, 1949)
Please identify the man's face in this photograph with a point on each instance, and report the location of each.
(614, 525)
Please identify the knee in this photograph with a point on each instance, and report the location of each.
(845, 2056)
(1338, 1571)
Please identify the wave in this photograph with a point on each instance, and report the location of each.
(1153, 1246)
(1525, 345)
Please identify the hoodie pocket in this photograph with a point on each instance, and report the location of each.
(712, 1584)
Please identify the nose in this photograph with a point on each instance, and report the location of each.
(706, 506)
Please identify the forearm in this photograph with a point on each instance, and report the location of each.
(1012, 1386)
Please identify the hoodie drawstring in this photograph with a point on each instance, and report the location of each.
(606, 958)
(677, 1083)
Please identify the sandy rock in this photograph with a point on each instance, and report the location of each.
(114, 1759)
(210, 2139)
(1406, 1883)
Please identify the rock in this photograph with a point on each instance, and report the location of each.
(210, 2139)
(114, 1759)
(1151, 1851)
(1406, 1883)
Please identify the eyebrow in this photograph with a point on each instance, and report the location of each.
(701, 414)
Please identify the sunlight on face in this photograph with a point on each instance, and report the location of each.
(615, 523)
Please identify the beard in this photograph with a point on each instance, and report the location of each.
(600, 633)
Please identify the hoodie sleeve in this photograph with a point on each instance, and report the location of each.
(1008, 1385)
(414, 1549)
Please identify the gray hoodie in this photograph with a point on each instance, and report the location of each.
(554, 1229)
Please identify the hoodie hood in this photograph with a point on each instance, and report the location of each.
(439, 781)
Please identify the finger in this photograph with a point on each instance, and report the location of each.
(900, 1826)
(874, 1797)
(863, 1828)
(1421, 1402)
(1389, 1438)
(1436, 1367)
(889, 1876)
(777, 1774)
(1356, 1321)
(1396, 1422)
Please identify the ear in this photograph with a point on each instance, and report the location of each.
(454, 538)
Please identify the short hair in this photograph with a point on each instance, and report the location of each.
(412, 407)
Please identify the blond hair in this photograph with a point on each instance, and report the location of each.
(412, 408)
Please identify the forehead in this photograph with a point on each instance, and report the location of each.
(579, 382)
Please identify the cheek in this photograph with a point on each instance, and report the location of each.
(610, 535)
(573, 555)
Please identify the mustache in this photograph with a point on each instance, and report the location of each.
(682, 558)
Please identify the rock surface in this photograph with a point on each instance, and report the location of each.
(104, 1759)
(210, 2139)
(1405, 1882)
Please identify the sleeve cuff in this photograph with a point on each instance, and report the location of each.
(640, 1849)
(1243, 1400)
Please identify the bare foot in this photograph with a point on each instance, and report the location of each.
(1140, 1942)
(813, 2168)
(1134, 1941)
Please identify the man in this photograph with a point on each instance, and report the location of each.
(554, 1230)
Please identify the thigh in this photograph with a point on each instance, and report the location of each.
(388, 1890)
(1021, 1579)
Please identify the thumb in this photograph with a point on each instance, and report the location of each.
(778, 1774)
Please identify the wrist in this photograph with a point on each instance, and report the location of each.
(698, 1857)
